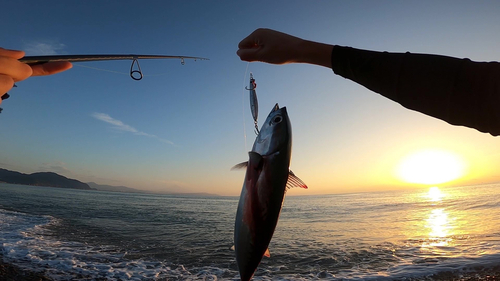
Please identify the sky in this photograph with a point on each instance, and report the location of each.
(182, 127)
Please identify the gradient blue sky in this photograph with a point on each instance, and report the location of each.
(180, 129)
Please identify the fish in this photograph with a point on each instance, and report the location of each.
(267, 178)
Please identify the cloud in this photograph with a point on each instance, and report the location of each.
(39, 48)
(119, 125)
(58, 167)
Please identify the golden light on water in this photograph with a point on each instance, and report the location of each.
(435, 194)
(431, 166)
(439, 228)
(438, 223)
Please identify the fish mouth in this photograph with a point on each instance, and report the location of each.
(275, 108)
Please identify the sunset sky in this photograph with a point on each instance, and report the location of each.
(181, 128)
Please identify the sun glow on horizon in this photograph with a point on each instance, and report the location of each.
(431, 167)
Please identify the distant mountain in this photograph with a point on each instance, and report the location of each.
(55, 180)
(112, 188)
(41, 179)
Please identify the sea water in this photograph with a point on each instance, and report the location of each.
(92, 235)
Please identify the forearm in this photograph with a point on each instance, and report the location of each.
(314, 53)
(458, 91)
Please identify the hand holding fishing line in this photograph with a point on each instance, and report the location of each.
(419, 82)
(275, 47)
(12, 70)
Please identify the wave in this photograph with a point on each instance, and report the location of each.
(28, 243)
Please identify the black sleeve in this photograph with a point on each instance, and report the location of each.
(458, 91)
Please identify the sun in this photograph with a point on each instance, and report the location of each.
(431, 166)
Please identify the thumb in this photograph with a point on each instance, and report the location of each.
(247, 54)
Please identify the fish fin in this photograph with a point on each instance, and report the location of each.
(242, 165)
(267, 253)
(294, 181)
(253, 156)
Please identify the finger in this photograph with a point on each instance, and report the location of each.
(11, 53)
(247, 43)
(14, 68)
(50, 68)
(247, 54)
(6, 83)
(253, 40)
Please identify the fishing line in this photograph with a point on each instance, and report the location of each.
(101, 69)
(118, 72)
(243, 106)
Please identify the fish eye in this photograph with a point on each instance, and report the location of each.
(277, 119)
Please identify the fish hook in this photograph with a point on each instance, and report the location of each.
(138, 70)
(182, 61)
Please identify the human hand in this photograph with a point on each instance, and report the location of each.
(12, 70)
(267, 45)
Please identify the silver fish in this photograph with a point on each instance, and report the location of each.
(266, 181)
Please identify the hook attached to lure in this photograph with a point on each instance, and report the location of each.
(254, 104)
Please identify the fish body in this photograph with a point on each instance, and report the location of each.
(266, 181)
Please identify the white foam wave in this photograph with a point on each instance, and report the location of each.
(26, 242)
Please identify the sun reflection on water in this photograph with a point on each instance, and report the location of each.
(438, 222)
(435, 194)
(439, 227)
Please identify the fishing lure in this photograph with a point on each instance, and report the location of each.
(254, 104)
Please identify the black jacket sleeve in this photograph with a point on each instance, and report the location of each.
(458, 91)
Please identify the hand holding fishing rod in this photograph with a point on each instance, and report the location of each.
(14, 66)
(12, 70)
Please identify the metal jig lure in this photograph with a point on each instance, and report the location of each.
(254, 104)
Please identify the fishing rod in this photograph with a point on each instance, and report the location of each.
(33, 60)
(135, 74)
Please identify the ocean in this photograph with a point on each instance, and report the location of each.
(395, 235)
